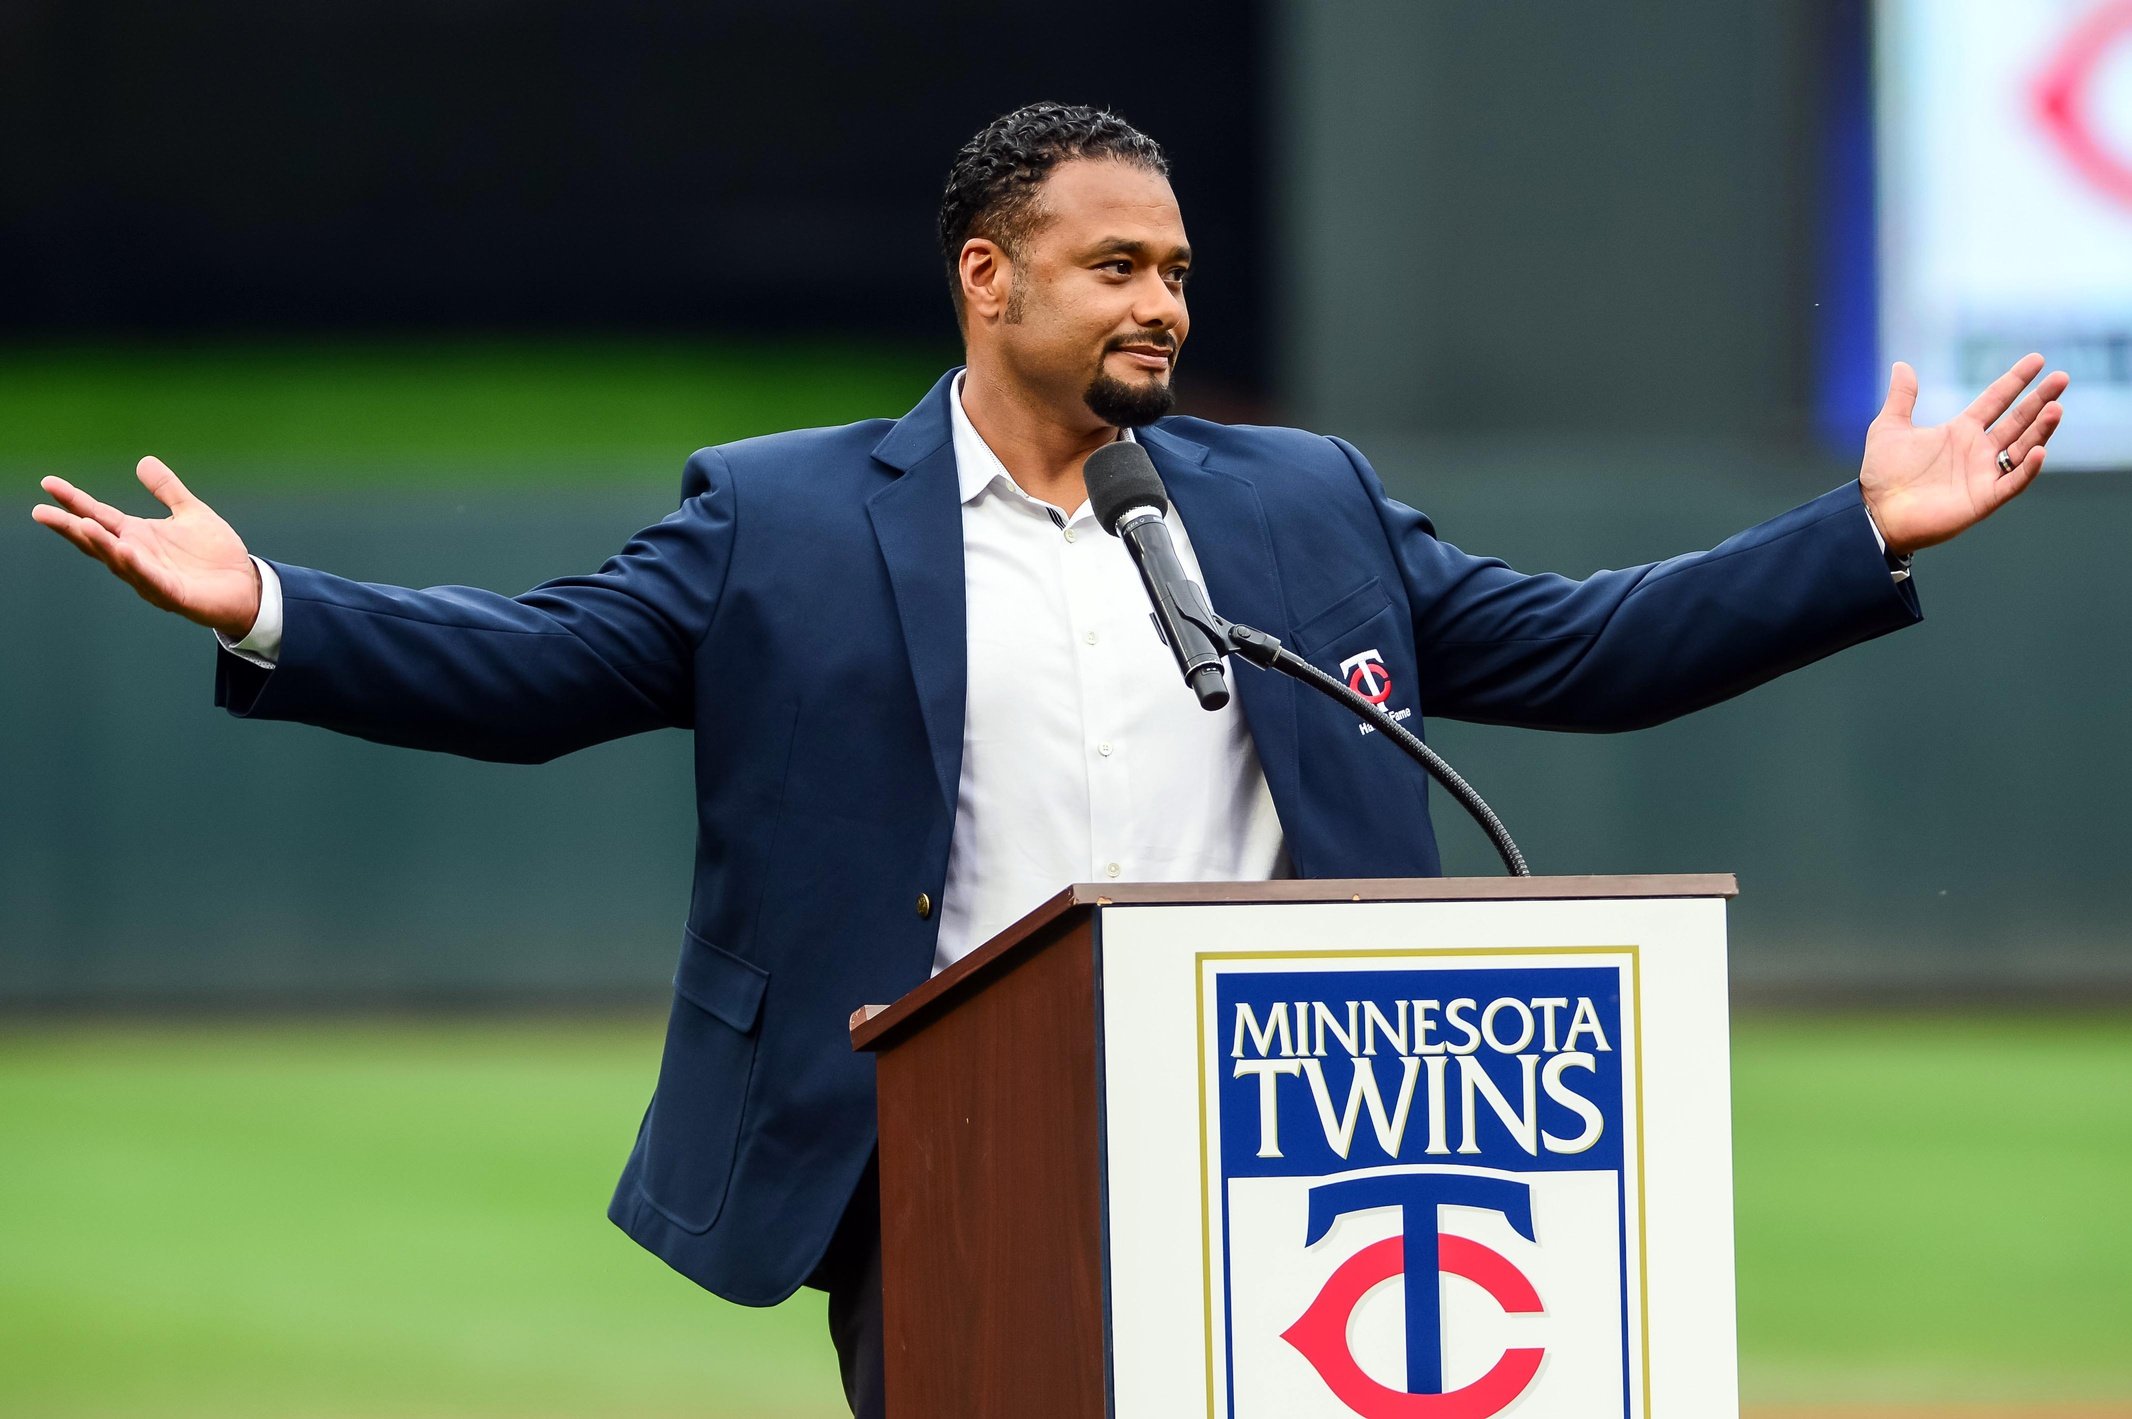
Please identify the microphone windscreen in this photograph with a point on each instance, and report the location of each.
(1120, 477)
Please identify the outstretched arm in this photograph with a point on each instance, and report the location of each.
(570, 663)
(1627, 648)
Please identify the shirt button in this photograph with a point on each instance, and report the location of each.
(1090, 638)
(1111, 871)
(1071, 535)
(1104, 748)
(925, 906)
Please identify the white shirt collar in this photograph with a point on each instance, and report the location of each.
(977, 467)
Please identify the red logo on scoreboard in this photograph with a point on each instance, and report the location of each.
(2065, 101)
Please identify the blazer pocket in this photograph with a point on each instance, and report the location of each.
(1356, 608)
(691, 1138)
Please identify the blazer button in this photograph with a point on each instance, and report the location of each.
(925, 906)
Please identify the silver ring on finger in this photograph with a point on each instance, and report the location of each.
(2006, 460)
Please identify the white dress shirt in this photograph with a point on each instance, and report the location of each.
(1085, 757)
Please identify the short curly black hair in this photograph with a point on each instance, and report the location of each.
(992, 187)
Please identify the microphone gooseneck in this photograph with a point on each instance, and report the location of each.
(1258, 648)
(1127, 497)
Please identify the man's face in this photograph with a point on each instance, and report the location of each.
(1095, 313)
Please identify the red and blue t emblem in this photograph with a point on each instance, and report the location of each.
(1426, 1207)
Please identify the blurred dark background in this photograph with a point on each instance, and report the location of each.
(446, 292)
(548, 165)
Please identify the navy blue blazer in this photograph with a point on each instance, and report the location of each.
(802, 611)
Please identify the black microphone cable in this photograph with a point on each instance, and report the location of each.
(1267, 653)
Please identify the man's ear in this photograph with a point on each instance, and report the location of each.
(987, 279)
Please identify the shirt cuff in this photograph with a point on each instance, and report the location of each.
(1898, 567)
(262, 643)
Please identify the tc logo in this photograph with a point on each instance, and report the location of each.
(1367, 677)
(1422, 1254)
(2074, 114)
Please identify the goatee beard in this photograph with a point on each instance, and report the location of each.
(1128, 406)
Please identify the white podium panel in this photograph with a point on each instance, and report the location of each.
(1418, 1160)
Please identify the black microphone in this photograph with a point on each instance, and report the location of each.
(1126, 495)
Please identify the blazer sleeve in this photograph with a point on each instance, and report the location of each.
(521, 679)
(1635, 647)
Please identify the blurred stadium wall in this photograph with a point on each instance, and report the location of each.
(1553, 268)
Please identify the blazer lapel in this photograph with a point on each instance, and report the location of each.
(917, 519)
(1226, 522)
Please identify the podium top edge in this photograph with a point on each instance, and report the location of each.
(1394, 889)
(871, 1025)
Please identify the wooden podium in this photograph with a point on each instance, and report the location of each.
(1402, 1149)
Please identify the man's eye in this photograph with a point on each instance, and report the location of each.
(1178, 277)
(1122, 266)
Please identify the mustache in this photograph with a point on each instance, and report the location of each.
(1160, 342)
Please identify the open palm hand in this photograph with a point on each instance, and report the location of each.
(1925, 485)
(191, 562)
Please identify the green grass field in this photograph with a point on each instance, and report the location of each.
(355, 413)
(405, 1219)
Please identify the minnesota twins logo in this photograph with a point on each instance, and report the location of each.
(1423, 1195)
(2073, 111)
(1420, 1257)
(1367, 677)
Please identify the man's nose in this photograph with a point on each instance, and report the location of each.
(1160, 306)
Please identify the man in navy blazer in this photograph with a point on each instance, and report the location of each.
(804, 611)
